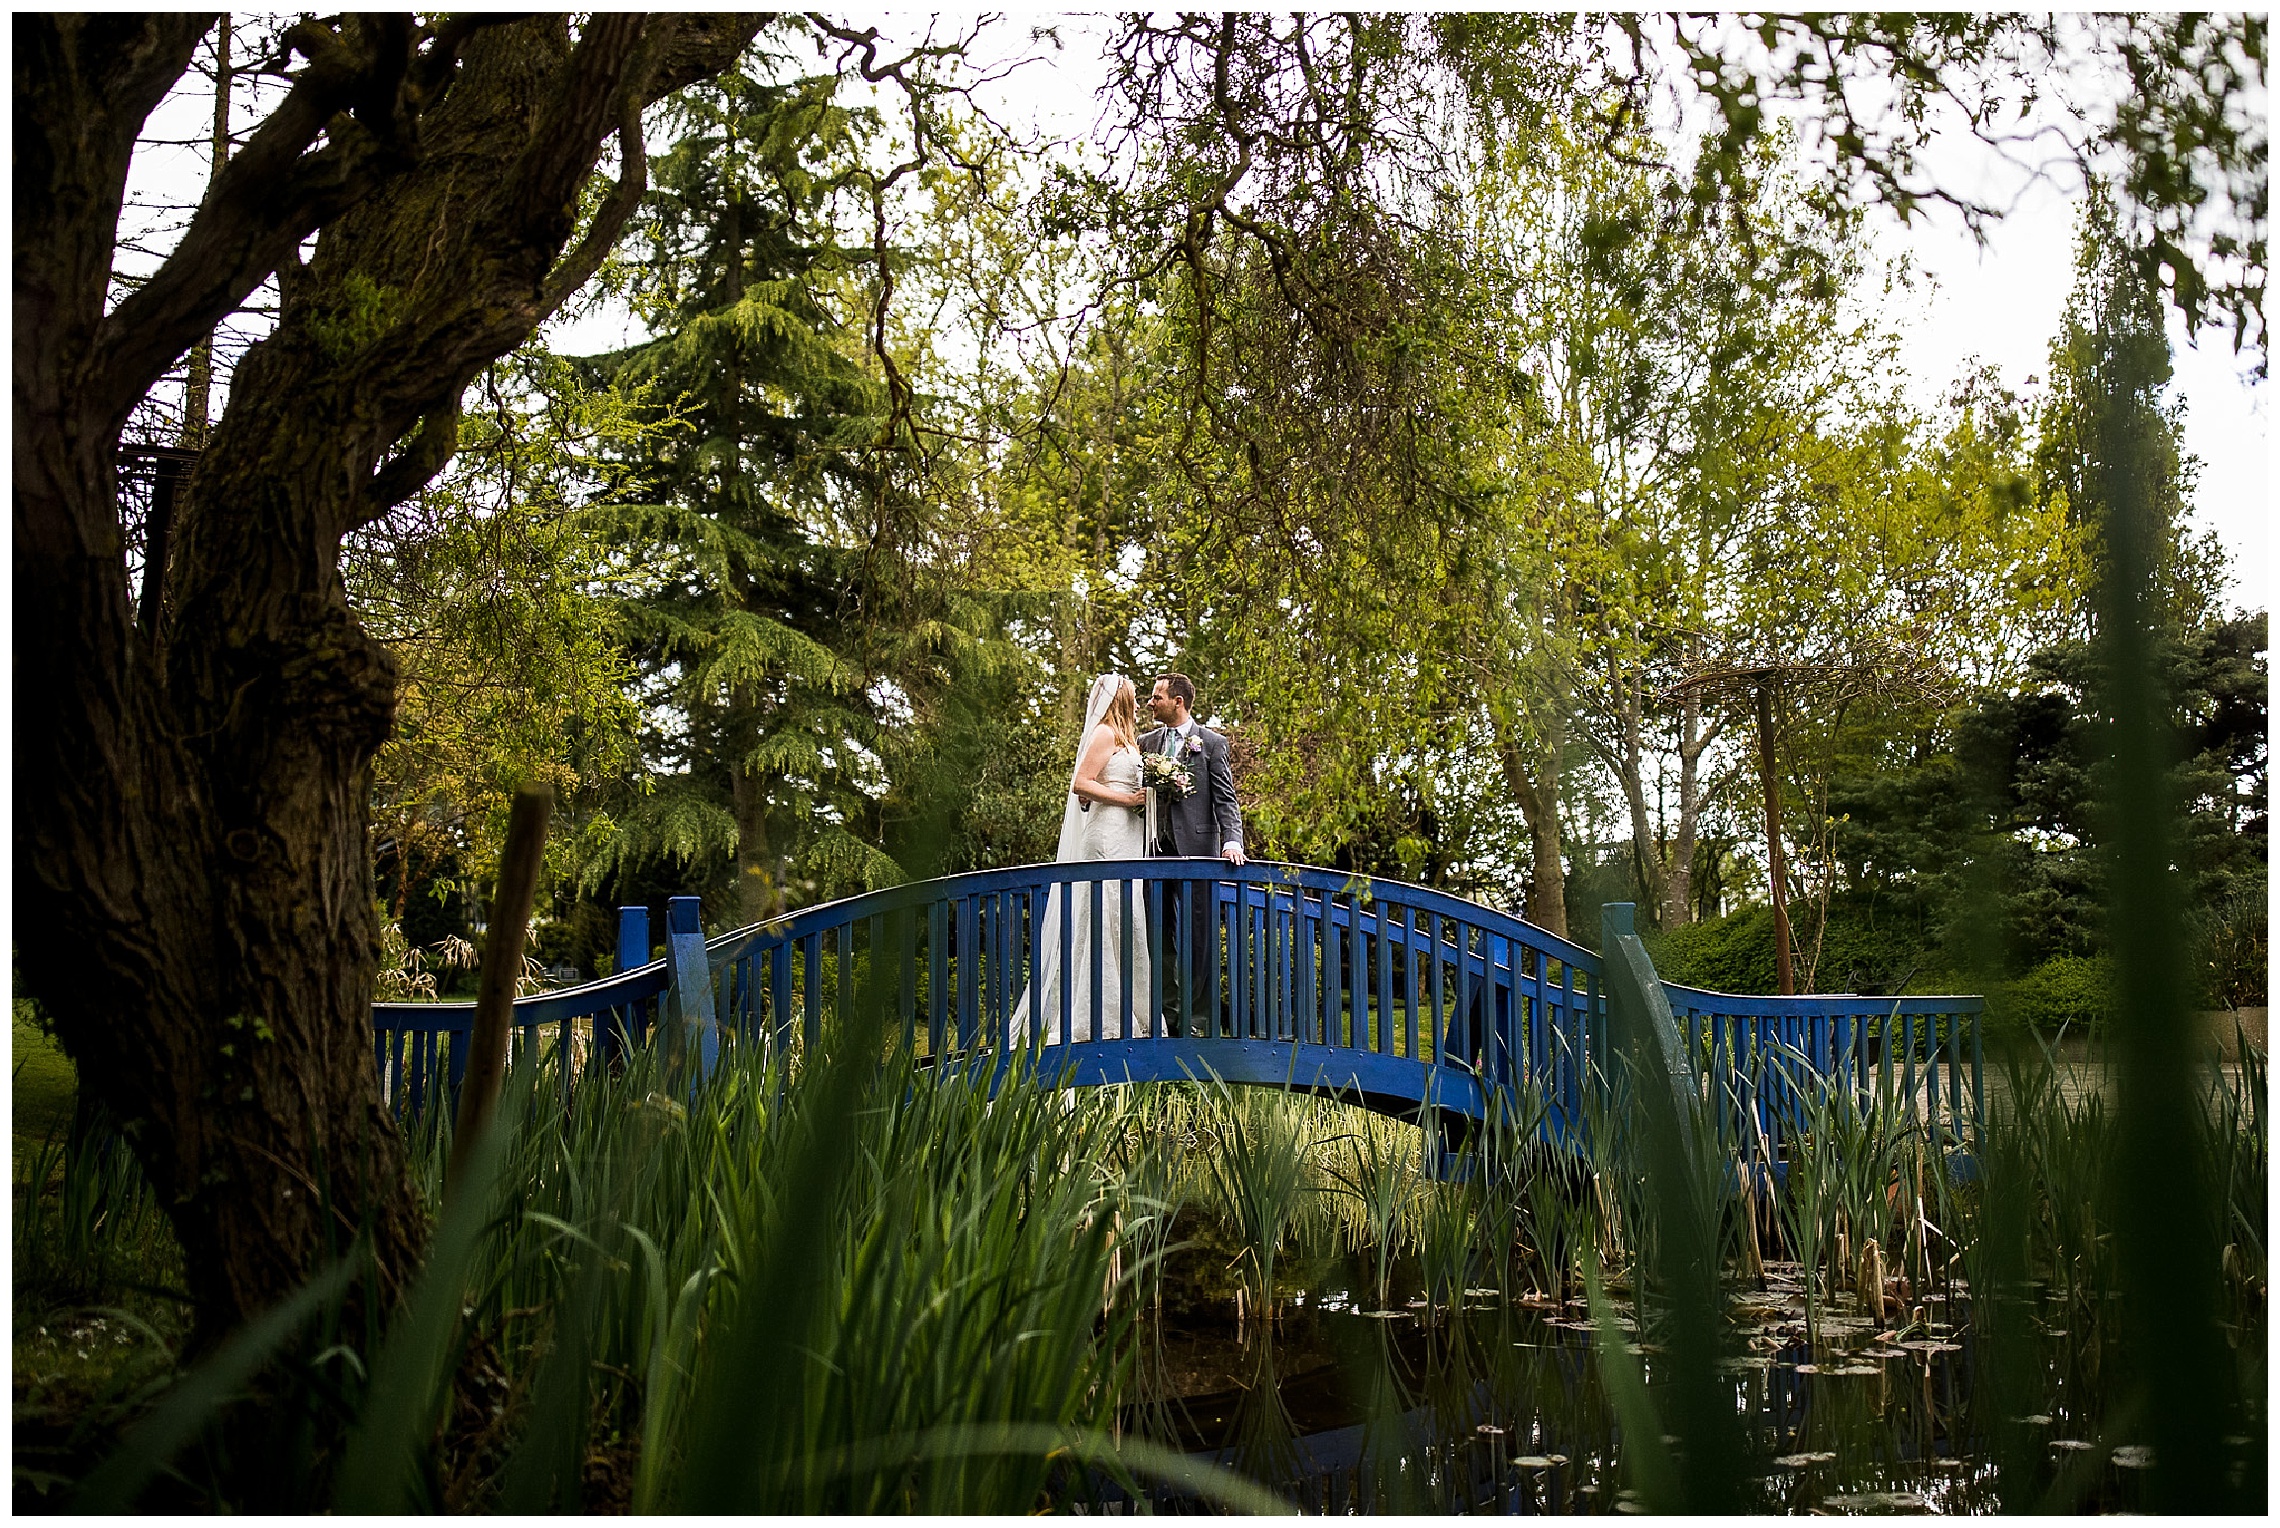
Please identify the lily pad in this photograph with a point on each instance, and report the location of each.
(2134, 1456)
(1538, 1461)
(1801, 1461)
(1876, 1501)
(2071, 1445)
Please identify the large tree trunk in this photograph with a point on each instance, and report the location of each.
(758, 896)
(194, 898)
(1533, 777)
(1694, 739)
(1629, 760)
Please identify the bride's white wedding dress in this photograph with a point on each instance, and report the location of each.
(1106, 832)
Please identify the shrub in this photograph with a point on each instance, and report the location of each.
(2069, 991)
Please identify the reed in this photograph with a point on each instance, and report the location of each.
(1258, 1162)
(86, 1222)
(971, 1262)
(1373, 1171)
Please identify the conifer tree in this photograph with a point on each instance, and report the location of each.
(753, 526)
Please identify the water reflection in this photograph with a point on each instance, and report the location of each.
(1497, 1406)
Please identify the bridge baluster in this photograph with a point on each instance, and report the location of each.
(1151, 1020)
(997, 996)
(1406, 918)
(1257, 958)
(1956, 1025)
(1884, 1058)
(811, 990)
(1531, 1020)
(1978, 1092)
(1093, 974)
(1461, 1000)
(1288, 922)
(1239, 966)
(902, 936)
(1435, 997)
(1261, 979)
(1358, 956)
(1932, 1072)
(1285, 967)
(1380, 979)
(937, 975)
(1356, 974)
(1368, 950)
(1908, 1030)
(1575, 1057)
(1307, 928)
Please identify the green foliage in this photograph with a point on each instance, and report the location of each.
(786, 593)
(508, 669)
(2069, 992)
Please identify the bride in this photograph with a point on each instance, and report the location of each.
(1104, 819)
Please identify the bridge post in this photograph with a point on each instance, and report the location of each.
(616, 1028)
(1685, 1191)
(693, 1030)
(1641, 1023)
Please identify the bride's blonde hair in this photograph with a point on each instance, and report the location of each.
(1122, 715)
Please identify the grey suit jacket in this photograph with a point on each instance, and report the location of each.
(1207, 818)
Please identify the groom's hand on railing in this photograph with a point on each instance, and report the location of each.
(1232, 853)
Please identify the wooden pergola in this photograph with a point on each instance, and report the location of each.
(1761, 679)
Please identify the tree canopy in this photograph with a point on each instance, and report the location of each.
(1492, 414)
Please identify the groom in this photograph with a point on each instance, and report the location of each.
(1203, 822)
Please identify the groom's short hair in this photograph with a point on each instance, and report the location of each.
(1180, 688)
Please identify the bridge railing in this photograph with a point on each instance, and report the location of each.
(1915, 1058)
(421, 1048)
(1395, 994)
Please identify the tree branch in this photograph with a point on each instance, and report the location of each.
(580, 264)
(428, 452)
(363, 92)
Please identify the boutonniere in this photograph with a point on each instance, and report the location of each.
(1194, 743)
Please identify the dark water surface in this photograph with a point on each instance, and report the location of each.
(1500, 1406)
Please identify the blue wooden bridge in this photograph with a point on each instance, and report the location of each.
(1393, 996)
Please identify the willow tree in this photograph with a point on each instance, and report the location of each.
(193, 889)
(1294, 174)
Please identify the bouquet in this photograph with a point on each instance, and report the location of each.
(1161, 774)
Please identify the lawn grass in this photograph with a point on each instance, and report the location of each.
(43, 1087)
(81, 1349)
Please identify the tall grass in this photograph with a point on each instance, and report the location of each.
(842, 1294)
(861, 1286)
(1259, 1159)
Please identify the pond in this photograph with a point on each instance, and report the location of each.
(1499, 1401)
(1500, 1405)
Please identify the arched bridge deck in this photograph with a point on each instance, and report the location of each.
(1395, 996)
